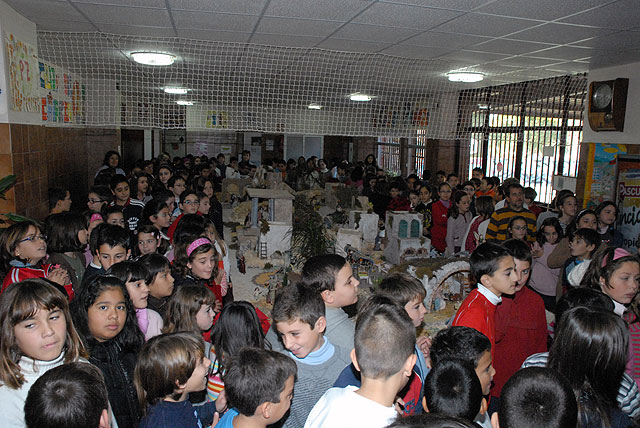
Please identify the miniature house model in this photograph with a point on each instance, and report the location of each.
(279, 218)
(404, 237)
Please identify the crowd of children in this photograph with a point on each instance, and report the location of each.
(124, 315)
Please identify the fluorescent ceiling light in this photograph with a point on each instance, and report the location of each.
(465, 76)
(483, 107)
(184, 103)
(357, 96)
(153, 58)
(175, 90)
(314, 106)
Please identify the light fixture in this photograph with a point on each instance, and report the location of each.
(483, 107)
(465, 76)
(175, 90)
(314, 106)
(184, 103)
(153, 58)
(359, 97)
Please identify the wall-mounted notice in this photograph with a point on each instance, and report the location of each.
(226, 150)
(217, 119)
(628, 198)
(23, 75)
(63, 96)
(201, 148)
(601, 173)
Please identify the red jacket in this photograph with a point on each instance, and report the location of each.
(399, 204)
(478, 313)
(521, 331)
(17, 274)
(439, 226)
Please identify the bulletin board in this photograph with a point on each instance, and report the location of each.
(628, 200)
(601, 173)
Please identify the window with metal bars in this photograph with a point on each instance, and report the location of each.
(389, 154)
(528, 130)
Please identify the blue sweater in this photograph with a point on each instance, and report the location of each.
(168, 414)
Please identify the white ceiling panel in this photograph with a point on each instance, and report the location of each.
(279, 40)
(337, 44)
(486, 25)
(569, 67)
(620, 15)
(220, 36)
(462, 5)
(472, 57)
(141, 3)
(249, 7)
(302, 27)
(547, 10)
(420, 52)
(373, 32)
(214, 21)
(338, 10)
(56, 25)
(125, 15)
(513, 47)
(559, 33)
(563, 52)
(617, 42)
(447, 40)
(35, 9)
(397, 15)
(137, 30)
(615, 58)
(526, 62)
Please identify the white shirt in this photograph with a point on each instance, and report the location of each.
(342, 407)
(489, 295)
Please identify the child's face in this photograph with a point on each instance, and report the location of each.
(162, 219)
(190, 205)
(476, 174)
(470, 190)
(414, 199)
(523, 269)
(143, 184)
(453, 181)
(83, 236)
(95, 203)
(393, 192)
(32, 246)
(117, 219)
(345, 290)
(463, 205)
(178, 187)
(589, 221)
(43, 336)
(171, 204)
(138, 293)
(204, 317)
(519, 229)
(121, 192)
(444, 193)
(203, 264)
(162, 285)
(279, 409)
(441, 178)
(205, 206)
(579, 248)
(569, 207)
(198, 379)
(107, 315)
(109, 256)
(485, 372)
(484, 186)
(608, 215)
(623, 284)
(416, 310)
(147, 243)
(299, 338)
(425, 195)
(504, 279)
(207, 189)
(550, 234)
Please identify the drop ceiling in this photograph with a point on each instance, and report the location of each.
(509, 40)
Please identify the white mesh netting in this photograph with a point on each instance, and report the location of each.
(251, 87)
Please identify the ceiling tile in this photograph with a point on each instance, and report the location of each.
(463, 5)
(559, 33)
(396, 15)
(65, 25)
(338, 10)
(420, 52)
(614, 42)
(214, 21)
(525, 62)
(449, 40)
(472, 57)
(303, 27)
(569, 67)
(547, 10)
(142, 3)
(282, 40)
(486, 25)
(220, 36)
(36, 10)
(563, 52)
(248, 7)
(335, 43)
(505, 46)
(126, 15)
(373, 33)
(615, 58)
(619, 15)
(137, 30)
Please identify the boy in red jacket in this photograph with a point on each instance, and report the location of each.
(495, 270)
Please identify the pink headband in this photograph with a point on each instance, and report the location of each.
(617, 253)
(197, 243)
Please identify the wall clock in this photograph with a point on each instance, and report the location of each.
(608, 104)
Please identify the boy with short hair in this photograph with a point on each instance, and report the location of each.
(299, 318)
(384, 344)
(521, 324)
(259, 383)
(581, 247)
(131, 208)
(110, 245)
(536, 397)
(59, 200)
(495, 272)
(72, 395)
(453, 388)
(472, 347)
(331, 276)
(177, 185)
(397, 202)
(408, 293)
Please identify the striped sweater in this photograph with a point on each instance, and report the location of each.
(497, 229)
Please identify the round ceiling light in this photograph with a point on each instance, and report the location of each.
(153, 58)
(175, 90)
(360, 97)
(184, 103)
(465, 76)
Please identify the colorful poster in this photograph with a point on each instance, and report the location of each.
(23, 75)
(201, 148)
(217, 119)
(628, 199)
(601, 169)
(63, 96)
